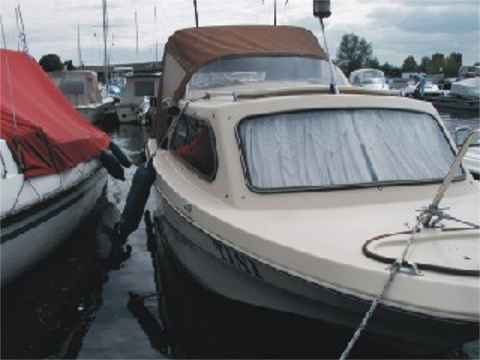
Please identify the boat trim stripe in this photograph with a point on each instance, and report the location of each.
(29, 212)
(22, 215)
(41, 219)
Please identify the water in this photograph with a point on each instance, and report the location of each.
(76, 303)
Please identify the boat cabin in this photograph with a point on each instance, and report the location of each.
(369, 78)
(80, 87)
(141, 85)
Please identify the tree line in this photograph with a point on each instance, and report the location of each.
(356, 52)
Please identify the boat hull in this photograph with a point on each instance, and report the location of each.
(30, 235)
(225, 271)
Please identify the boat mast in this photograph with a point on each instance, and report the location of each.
(105, 39)
(196, 12)
(155, 32)
(4, 39)
(22, 36)
(136, 33)
(79, 48)
(274, 12)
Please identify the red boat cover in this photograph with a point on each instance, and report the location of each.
(42, 129)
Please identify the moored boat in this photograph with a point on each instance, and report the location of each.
(373, 79)
(139, 88)
(463, 95)
(274, 191)
(50, 175)
(81, 88)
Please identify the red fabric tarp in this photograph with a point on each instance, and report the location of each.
(44, 132)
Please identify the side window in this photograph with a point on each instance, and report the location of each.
(194, 142)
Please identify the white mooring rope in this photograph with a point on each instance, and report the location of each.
(394, 269)
(424, 219)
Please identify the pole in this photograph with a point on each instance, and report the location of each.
(4, 39)
(136, 33)
(275, 13)
(333, 84)
(105, 39)
(79, 47)
(196, 12)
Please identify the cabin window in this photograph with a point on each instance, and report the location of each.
(144, 88)
(194, 142)
(343, 148)
(72, 87)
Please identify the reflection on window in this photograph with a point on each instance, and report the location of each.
(144, 88)
(244, 70)
(194, 142)
(331, 148)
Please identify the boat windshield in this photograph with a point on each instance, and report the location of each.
(324, 149)
(257, 69)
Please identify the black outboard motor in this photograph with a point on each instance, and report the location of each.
(136, 200)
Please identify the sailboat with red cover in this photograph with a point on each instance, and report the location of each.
(50, 175)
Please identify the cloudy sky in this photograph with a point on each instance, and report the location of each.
(396, 29)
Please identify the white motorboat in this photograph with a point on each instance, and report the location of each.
(50, 175)
(463, 95)
(372, 79)
(81, 88)
(275, 192)
(139, 88)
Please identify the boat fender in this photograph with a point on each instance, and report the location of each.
(112, 165)
(120, 155)
(136, 200)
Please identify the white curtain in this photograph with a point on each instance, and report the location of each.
(341, 147)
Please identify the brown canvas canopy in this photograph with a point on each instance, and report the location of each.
(190, 49)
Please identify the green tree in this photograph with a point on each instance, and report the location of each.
(353, 53)
(438, 63)
(373, 63)
(409, 64)
(391, 70)
(51, 62)
(452, 64)
(425, 65)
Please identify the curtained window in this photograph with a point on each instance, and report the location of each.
(332, 148)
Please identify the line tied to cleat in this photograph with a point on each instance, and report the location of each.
(424, 219)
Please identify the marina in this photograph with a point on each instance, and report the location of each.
(242, 193)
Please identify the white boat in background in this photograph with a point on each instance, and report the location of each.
(464, 95)
(277, 193)
(423, 88)
(372, 79)
(466, 88)
(139, 88)
(469, 71)
(82, 89)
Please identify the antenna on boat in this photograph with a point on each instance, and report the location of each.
(22, 36)
(321, 9)
(196, 12)
(155, 33)
(79, 47)
(4, 39)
